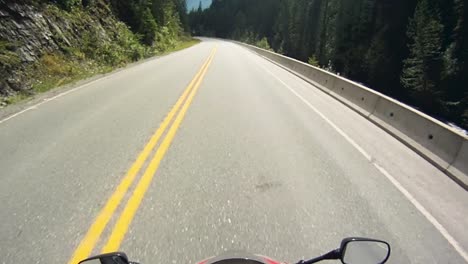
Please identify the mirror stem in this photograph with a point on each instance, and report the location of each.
(334, 254)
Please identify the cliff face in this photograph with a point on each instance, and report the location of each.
(29, 31)
(27, 27)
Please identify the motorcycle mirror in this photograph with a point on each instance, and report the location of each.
(109, 258)
(364, 251)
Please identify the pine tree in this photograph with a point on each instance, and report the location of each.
(421, 73)
(147, 27)
(68, 4)
(200, 9)
(454, 74)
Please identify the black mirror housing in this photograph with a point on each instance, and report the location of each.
(108, 258)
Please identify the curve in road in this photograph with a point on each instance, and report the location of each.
(260, 161)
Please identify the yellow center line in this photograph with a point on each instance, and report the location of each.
(92, 236)
(126, 217)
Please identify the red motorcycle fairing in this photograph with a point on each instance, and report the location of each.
(239, 257)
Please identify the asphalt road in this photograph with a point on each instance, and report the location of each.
(256, 159)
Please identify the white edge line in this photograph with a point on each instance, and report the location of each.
(341, 132)
(423, 211)
(397, 184)
(45, 100)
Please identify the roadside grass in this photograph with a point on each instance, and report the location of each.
(184, 44)
(21, 96)
(55, 70)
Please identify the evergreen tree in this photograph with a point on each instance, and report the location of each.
(421, 73)
(455, 73)
(68, 4)
(147, 26)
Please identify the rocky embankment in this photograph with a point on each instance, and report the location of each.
(35, 35)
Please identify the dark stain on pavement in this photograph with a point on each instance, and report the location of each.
(263, 187)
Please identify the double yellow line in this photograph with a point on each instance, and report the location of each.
(120, 228)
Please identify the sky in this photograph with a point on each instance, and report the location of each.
(191, 4)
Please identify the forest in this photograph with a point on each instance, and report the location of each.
(412, 50)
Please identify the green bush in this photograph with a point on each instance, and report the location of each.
(8, 56)
(100, 51)
(263, 43)
(313, 61)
